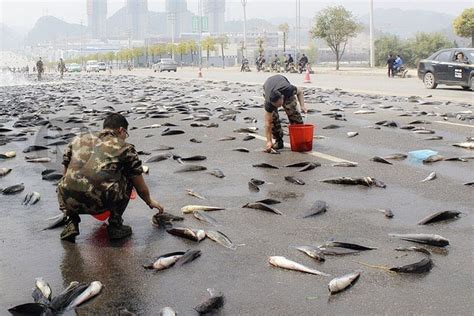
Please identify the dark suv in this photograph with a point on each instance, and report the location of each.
(454, 67)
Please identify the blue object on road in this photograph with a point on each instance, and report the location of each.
(421, 154)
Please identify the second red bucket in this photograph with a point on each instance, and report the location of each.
(301, 137)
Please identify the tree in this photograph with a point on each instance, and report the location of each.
(208, 44)
(170, 48)
(193, 47)
(285, 29)
(110, 56)
(182, 49)
(137, 52)
(464, 25)
(335, 25)
(425, 44)
(389, 44)
(312, 53)
(223, 41)
(260, 42)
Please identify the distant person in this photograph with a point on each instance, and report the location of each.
(40, 68)
(110, 70)
(397, 64)
(278, 92)
(245, 64)
(460, 58)
(27, 69)
(390, 63)
(303, 62)
(61, 68)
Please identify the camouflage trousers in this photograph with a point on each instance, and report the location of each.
(294, 116)
(115, 199)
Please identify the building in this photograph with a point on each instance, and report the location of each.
(214, 10)
(137, 19)
(178, 15)
(97, 18)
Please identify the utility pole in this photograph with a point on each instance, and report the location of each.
(244, 5)
(297, 27)
(82, 56)
(200, 32)
(172, 18)
(372, 52)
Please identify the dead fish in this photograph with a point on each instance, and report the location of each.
(195, 194)
(344, 282)
(30, 309)
(188, 256)
(194, 140)
(422, 266)
(8, 155)
(217, 173)
(145, 169)
(248, 137)
(194, 158)
(364, 112)
(348, 246)
(439, 216)
(172, 132)
(164, 219)
(31, 198)
(251, 130)
(433, 158)
(318, 207)
(262, 207)
(194, 208)
(17, 188)
(468, 145)
(265, 165)
(191, 168)
(163, 148)
(461, 159)
(434, 138)
(44, 288)
(211, 305)
(269, 201)
(336, 251)
(313, 252)
(241, 149)
(188, 233)
(4, 171)
(365, 181)
(294, 180)
(34, 148)
(61, 301)
(152, 126)
(345, 164)
(59, 222)
(257, 181)
(309, 166)
(423, 131)
(388, 213)
(202, 216)
(332, 126)
(92, 290)
(297, 165)
(52, 176)
(416, 249)
(430, 177)
(429, 239)
(167, 311)
(228, 138)
(282, 262)
(271, 151)
(397, 156)
(165, 261)
(352, 134)
(253, 187)
(158, 158)
(220, 238)
(469, 183)
(381, 160)
(38, 159)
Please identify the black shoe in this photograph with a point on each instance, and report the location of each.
(278, 144)
(119, 232)
(70, 232)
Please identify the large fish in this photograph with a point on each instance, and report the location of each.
(211, 305)
(4, 171)
(165, 261)
(44, 288)
(429, 239)
(29, 309)
(13, 189)
(381, 160)
(282, 262)
(188, 233)
(439, 216)
(311, 251)
(194, 208)
(194, 158)
(62, 301)
(191, 168)
(188, 256)
(165, 219)
(348, 246)
(342, 283)
(309, 166)
(158, 158)
(202, 216)
(262, 207)
(91, 291)
(317, 208)
(59, 222)
(467, 145)
(34, 148)
(422, 266)
(220, 238)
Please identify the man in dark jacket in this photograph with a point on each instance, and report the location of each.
(390, 62)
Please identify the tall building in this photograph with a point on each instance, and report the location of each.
(97, 18)
(137, 19)
(177, 15)
(214, 10)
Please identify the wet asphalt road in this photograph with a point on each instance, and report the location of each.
(250, 285)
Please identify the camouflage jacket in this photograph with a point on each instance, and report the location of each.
(99, 162)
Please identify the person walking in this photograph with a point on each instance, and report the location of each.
(40, 68)
(61, 68)
(390, 62)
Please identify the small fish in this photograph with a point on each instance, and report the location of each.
(345, 164)
(298, 164)
(461, 159)
(381, 160)
(364, 112)
(397, 156)
(422, 266)
(34, 148)
(388, 213)
(251, 130)
(284, 263)
(332, 126)
(172, 132)
(365, 181)
(165, 261)
(468, 145)
(188, 233)
(313, 252)
(352, 134)
(163, 148)
(38, 159)
(92, 290)
(423, 131)
(439, 216)
(220, 238)
(433, 158)
(212, 305)
(194, 158)
(31, 198)
(257, 181)
(469, 183)
(294, 180)
(13, 189)
(429, 239)
(269, 201)
(430, 177)
(44, 288)
(4, 171)
(59, 222)
(146, 169)
(164, 219)
(191, 168)
(217, 173)
(265, 165)
(241, 149)
(195, 194)
(309, 166)
(202, 216)
(348, 246)
(342, 283)
(158, 158)
(434, 138)
(262, 207)
(318, 207)
(228, 138)
(52, 176)
(248, 137)
(253, 187)
(416, 249)
(194, 208)
(8, 155)
(167, 311)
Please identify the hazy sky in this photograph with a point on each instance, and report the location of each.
(24, 13)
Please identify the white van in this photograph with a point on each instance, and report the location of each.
(92, 66)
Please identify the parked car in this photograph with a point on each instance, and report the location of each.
(165, 64)
(92, 66)
(445, 67)
(102, 66)
(73, 67)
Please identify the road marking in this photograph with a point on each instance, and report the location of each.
(312, 153)
(455, 124)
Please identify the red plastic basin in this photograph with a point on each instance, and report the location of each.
(301, 137)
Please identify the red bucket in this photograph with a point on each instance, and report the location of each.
(301, 137)
(105, 215)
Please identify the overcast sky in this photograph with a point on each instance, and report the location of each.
(24, 13)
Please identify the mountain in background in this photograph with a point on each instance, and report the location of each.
(10, 40)
(48, 28)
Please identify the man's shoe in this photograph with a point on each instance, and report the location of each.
(70, 232)
(119, 232)
(278, 144)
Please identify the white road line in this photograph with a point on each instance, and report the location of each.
(455, 124)
(312, 153)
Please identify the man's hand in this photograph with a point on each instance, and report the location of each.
(154, 204)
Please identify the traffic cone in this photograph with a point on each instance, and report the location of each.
(199, 73)
(307, 78)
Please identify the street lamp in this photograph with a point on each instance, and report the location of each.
(244, 4)
(372, 52)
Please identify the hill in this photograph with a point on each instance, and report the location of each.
(48, 28)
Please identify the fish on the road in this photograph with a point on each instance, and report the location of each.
(466, 145)
(433, 158)
(191, 168)
(387, 212)
(309, 166)
(165, 261)
(294, 180)
(92, 290)
(31, 198)
(396, 156)
(284, 263)
(311, 251)
(439, 216)
(34, 148)
(14, 189)
(345, 164)
(167, 311)
(342, 283)
(202, 216)
(317, 208)
(158, 158)
(163, 220)
(381, 160)
(422, 266)
(348, 246)
(194, 208)
(430, 177)
(212, 305)
(265, 165)
(221, 239)
(4, 171)
(217, 173)
(195, 194)
(262, 207)
(188, 233)
(429, 239)
(352, 134)
(365, 181)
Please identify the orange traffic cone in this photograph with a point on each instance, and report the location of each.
(199, 73)
(307, 78)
